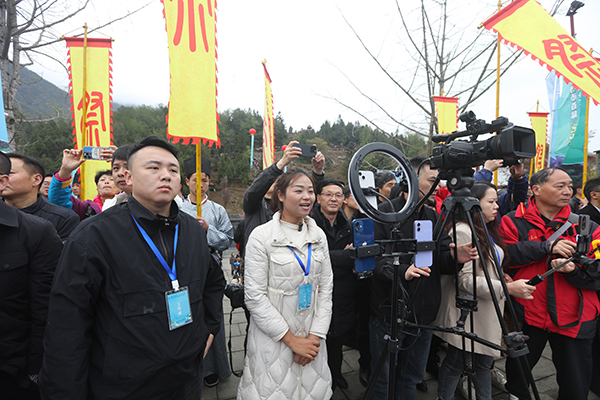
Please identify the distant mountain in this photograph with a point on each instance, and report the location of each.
(37, 98)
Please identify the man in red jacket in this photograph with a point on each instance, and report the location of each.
(565, 305)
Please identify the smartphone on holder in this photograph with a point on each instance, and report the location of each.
(364, 235)
(93, 153)
(308, 150)
(423, 232)
(367, 180)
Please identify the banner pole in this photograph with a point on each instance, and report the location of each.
(84, 120)
(497, 87)
(199, 178)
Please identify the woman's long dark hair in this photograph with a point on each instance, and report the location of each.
(478, 191)
(282, 183)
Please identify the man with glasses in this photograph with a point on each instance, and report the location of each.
(337, 228)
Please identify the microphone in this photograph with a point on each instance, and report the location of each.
(300, 227)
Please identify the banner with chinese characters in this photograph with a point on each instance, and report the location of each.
(191, 31)
(539, 125)
(268, 123)
(92, 120)
(447, 114)
(568, 135)
(527, 25)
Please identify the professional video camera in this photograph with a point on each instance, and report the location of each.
(510, 144)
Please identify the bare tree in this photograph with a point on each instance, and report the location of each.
(27, 28)
(440, 54)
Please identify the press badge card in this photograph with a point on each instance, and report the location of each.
(178, 308)
(304, 296)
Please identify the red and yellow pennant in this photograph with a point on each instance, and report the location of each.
(447, 114)
(525, 24)
(90, 89)
(539, 124)
(191, 30)
(268, 123)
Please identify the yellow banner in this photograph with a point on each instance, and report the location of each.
(268, 120)
(98, 100)
(447, 113)
(539, 123)
(527, 25)
(191, 30)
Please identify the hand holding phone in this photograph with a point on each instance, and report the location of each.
(308, 150)
(95, 153)
(423, 232)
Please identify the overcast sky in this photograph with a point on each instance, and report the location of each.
(309, 49)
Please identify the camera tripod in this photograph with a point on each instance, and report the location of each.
(459, 182)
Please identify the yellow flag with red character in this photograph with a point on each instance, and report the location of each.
(92, 110)
(539, 124)
(447, 113)
(526, 25)
(268, 123)
(191, 31)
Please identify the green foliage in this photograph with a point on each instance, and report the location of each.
(46, 141)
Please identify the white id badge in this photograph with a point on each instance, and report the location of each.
(304, 296)
(178, 308)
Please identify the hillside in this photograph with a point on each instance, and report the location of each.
(38, 99)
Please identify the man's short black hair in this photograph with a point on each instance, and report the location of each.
(100, 174)
(5, 164)
(151, 141)
(418, 161)
(593, 185)
(382, 178)
(329, 182)
(32, 165)
(122, 153)
(543, 176)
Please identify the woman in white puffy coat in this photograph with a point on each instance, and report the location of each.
(288, 291)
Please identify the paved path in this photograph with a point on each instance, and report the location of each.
(544, 372)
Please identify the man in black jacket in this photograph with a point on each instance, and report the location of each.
(423, 289)
(29, 252)
(22, 192)
(592, 194)
(337, 228)
(137, 297)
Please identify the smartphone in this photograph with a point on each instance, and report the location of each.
(308, 150)
(423, 232)
(367, 180)
(93, 153)
(364, 234)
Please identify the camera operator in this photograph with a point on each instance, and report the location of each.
(424, 293)
(565, 305)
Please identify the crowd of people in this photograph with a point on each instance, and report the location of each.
(120, 297)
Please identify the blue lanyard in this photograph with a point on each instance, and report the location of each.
(171, 271)
(307, 268)
(497, 253)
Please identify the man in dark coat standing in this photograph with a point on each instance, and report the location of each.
(22, 192)
(29, 252)
(337, 228)
(137, 297)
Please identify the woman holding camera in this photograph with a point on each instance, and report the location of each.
(288, 291)
(485, 320)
